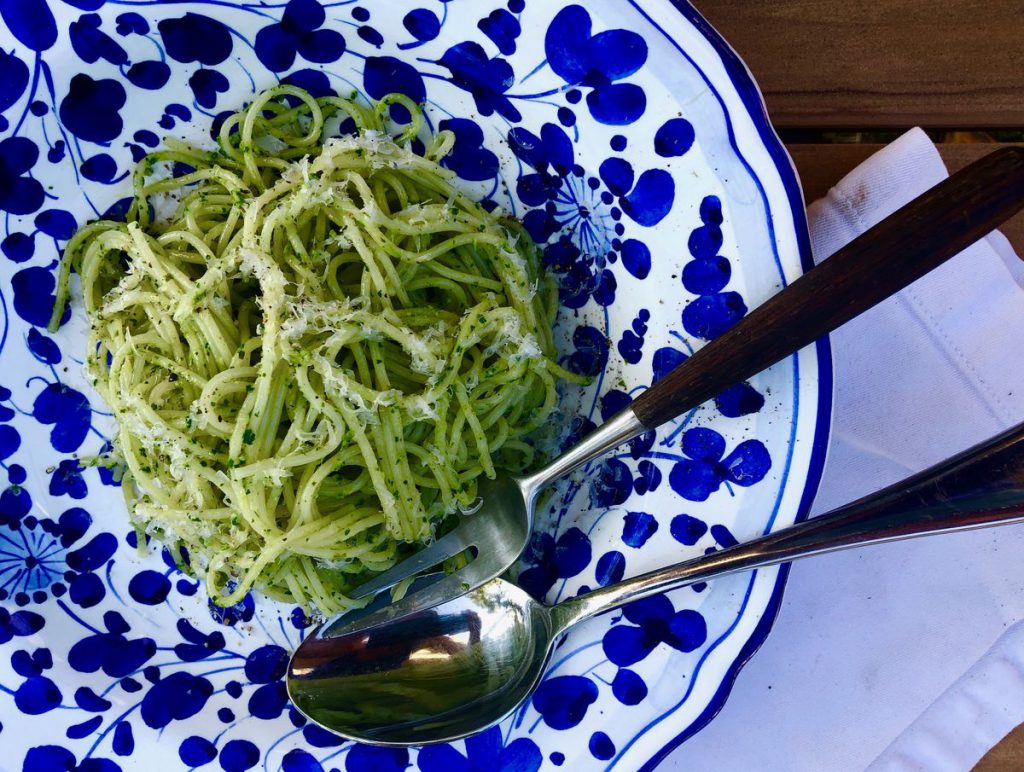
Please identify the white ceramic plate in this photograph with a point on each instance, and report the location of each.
(628, 136)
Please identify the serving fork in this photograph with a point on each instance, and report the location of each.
(882, 261)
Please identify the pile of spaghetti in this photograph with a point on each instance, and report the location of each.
(315, 356)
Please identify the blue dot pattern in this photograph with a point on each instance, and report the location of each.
(112, 655)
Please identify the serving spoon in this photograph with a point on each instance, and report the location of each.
(449, 671)
(882, 261)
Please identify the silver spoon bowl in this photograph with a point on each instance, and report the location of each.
(446, 672)
(433, 676)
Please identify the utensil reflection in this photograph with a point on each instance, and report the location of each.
(425, 663)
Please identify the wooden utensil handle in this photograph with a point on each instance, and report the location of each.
(880, 262)
(979, 488)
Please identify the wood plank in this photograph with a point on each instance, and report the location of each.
(822, 166)
(867, 64)
(1006, 756)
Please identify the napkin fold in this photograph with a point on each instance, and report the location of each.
(887, 656)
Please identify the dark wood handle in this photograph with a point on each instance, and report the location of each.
(879, 263)
(981, 487)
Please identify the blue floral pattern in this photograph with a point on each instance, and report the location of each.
(610, 151)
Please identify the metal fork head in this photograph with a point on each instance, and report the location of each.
(499, 532)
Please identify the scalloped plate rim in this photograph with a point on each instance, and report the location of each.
(746, 85)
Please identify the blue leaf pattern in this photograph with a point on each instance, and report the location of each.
(553, 118)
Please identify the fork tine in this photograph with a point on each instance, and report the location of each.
(448, 546)
(449, 587)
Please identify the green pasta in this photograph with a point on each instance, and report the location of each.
(314, 358)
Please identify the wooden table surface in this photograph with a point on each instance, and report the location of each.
(870, 69)
(841, 78)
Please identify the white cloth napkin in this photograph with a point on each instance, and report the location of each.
(897, 657)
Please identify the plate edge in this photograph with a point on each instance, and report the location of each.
(750, 94)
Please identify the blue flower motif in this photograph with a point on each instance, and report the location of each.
(196, 38)
(318, 85)
(612, 484)
(10, 441)
(551, 157)
(131, 23)
(598, 61)
(705, 469)
(56, 223)
(631, 343)
(206, 84)
(503, 29)
(654, 620)
(383, 75)
(13, 80)
(570, 204)
(298, 32)
(674, 138)
(19, 194)
(687, 529)
(92, 44)
(179, 696)
(31, 23)
(35, 561)
(565, 204)
(563, 701)
(195, 751)
(637, 528)
(469, 158)
(149, 588)
(112, 652)
(150, 74)
(423, 25)
(646, 199)
(90, 110)
(552, 560)
(15, 502)
(69, 412)
(706, 275)
(373, 758)
(28, 665)
(67, 480)
(37, 695)
(648, 477)
(486, 79)
(30, 564)
(591, 351)
(230, 616)
(19, 624)
(484, 751)
(55, 757)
